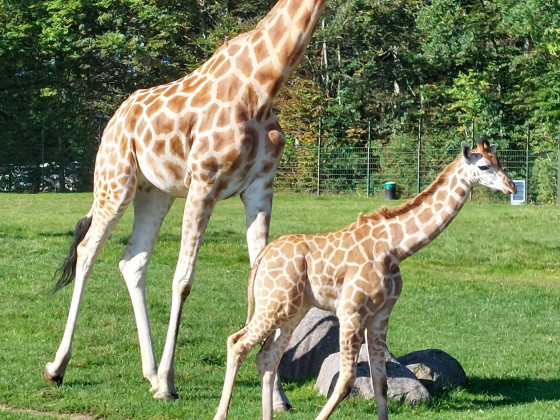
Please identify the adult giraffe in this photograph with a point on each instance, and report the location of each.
(208, 136)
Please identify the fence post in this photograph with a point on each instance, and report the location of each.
(527, 163)
(368, 156)
(319, 156)
(419, 148)
(558, 168)
(42, 157)
(61, 170)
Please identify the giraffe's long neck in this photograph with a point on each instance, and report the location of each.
(261, 60)
(287, 30)
(418, 222)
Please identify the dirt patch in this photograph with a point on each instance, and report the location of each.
(9, 409)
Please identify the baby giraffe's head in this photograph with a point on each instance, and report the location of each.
(483, 167)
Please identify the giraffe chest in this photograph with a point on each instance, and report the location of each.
(342, 271)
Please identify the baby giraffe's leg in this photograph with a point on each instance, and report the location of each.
(239, 345)
(267, 377)
(376, 335)
(268, 360)
(237, 350)
(351, 338)
(377, 347)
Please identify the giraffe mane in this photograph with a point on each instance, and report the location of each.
(392, 212)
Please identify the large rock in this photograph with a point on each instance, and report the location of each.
(435, 369)
(315, 338)
(314, 352)
(401, 382)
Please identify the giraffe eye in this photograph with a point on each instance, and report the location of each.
(483, 167)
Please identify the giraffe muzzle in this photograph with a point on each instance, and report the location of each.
(510, 187)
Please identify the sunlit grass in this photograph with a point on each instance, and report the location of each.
(487, 291)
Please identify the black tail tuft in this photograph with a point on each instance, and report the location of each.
(67, 271)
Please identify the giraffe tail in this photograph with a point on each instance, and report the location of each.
(251, 285)
(67, 271)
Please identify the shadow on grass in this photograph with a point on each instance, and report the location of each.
(511, 391)
(209, 237)
(484, 393)
(478, 393)
(59, 234)
(77, 384)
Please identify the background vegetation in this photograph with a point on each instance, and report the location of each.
(486, 292)
(455, 65)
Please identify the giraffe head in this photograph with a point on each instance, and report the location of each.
(483, 167)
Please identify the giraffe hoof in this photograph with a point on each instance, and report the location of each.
(281, 408)
(49, 377)
(166, 396)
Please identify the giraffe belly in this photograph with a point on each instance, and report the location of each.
(170, 178)
(325, 298)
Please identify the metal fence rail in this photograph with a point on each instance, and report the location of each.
(325, 170)
(363, 170)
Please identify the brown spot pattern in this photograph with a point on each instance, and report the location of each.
(229, 88)
(177, 104)
(176, 147)
(202, 97)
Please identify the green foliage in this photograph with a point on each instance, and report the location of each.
(398, 164)
(544, 179)
(66, 65)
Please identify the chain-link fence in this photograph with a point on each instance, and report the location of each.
(365, 170)
(312, 170)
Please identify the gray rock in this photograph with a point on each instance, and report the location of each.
(314, 352)
(435, 369)
(315, 338)
(401, 382)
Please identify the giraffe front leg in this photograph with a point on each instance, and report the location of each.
(258, 207)
(376, 341)
(376, 335)
(351, 337)
(195, 219)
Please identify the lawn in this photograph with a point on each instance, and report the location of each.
(487, 291)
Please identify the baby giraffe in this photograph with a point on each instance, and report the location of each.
(353, 272)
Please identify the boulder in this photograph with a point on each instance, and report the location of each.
(435, 369)
(401, 382)
(314, 352)
(315, 338)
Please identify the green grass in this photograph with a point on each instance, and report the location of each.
(487, 291)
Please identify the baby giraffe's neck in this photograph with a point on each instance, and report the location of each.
(416, 223)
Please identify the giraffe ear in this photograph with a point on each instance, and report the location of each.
(466, 150)
(492, 148)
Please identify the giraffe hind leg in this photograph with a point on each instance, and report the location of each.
(104, 216)
(64, 276)
(258, 207)
(239, 345)
(268, 360)
(151, 205)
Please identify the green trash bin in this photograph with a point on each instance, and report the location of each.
(389, 191)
